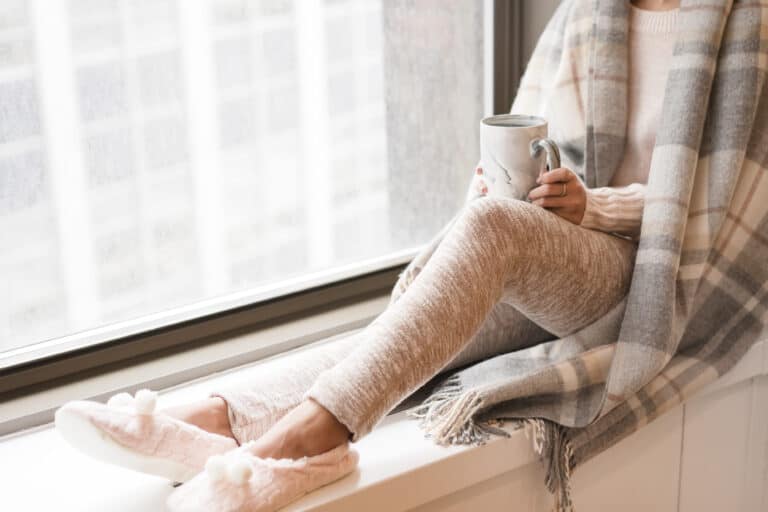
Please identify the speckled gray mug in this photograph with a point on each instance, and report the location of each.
(514, 151)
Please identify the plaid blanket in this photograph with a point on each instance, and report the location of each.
(699, 293)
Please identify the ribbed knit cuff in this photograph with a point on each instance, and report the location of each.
(653, 22)
(615, 209)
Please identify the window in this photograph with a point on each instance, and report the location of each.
(166, 154)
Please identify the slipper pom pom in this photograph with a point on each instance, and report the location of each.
(239, 471)
(120, 400)
(145, 401)
(216, 468)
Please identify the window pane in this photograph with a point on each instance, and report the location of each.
(161, 153)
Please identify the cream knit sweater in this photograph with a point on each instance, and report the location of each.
(618, 208)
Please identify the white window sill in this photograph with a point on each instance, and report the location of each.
(399, 469)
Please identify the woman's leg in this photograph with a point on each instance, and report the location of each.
(558, 274)
(247, 409)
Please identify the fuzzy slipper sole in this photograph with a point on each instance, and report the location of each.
(81, 433)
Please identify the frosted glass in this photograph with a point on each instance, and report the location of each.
(160, 153)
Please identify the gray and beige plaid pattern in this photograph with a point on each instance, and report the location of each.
(699, 293)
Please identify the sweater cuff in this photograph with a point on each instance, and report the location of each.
(615, 209)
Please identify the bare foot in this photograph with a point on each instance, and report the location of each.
(209, 414)
(308, 429)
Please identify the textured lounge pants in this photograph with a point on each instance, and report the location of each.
(502, 275)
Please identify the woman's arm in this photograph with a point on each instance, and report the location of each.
(615, 209)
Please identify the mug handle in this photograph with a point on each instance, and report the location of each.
(548, 145)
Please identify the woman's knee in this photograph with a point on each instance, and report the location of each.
(503, 212)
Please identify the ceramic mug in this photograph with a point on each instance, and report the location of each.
(514, 151)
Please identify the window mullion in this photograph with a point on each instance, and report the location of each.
(203, 128)
(65, 165)
(311, 52)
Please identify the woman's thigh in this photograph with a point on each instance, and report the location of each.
(562, 276)
(559, 276)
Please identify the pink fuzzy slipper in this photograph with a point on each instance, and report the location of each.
(128, 432)
(239, 481)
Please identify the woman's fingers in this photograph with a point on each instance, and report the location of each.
(553, 202)
(481, 187)
(555, 175)
(549, 194)
(547, 190)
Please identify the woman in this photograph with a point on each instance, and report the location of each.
(526, 271)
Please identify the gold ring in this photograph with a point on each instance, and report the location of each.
(565, 189)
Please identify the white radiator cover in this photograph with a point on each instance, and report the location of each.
(708, 455)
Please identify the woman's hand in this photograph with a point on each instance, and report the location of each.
(561, 192)
(480, 186)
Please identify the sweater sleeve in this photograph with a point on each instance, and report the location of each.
(615, 209)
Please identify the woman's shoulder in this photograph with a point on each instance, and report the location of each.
(572, 18)
(576, 10)
(584, 11)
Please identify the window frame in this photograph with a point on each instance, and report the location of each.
(29, 376)
(506, 54)
(34, 375)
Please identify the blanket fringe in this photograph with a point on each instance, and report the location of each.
(551, 443)
(448, 417)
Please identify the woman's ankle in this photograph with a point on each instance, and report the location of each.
(210, 415)
(308, 429)
(323, 430)
(219, 412)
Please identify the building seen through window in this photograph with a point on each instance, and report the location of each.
(154, 153)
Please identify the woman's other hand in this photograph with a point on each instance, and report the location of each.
(561, 192)
(481, 187)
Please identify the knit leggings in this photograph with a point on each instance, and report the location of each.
(503, 274)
